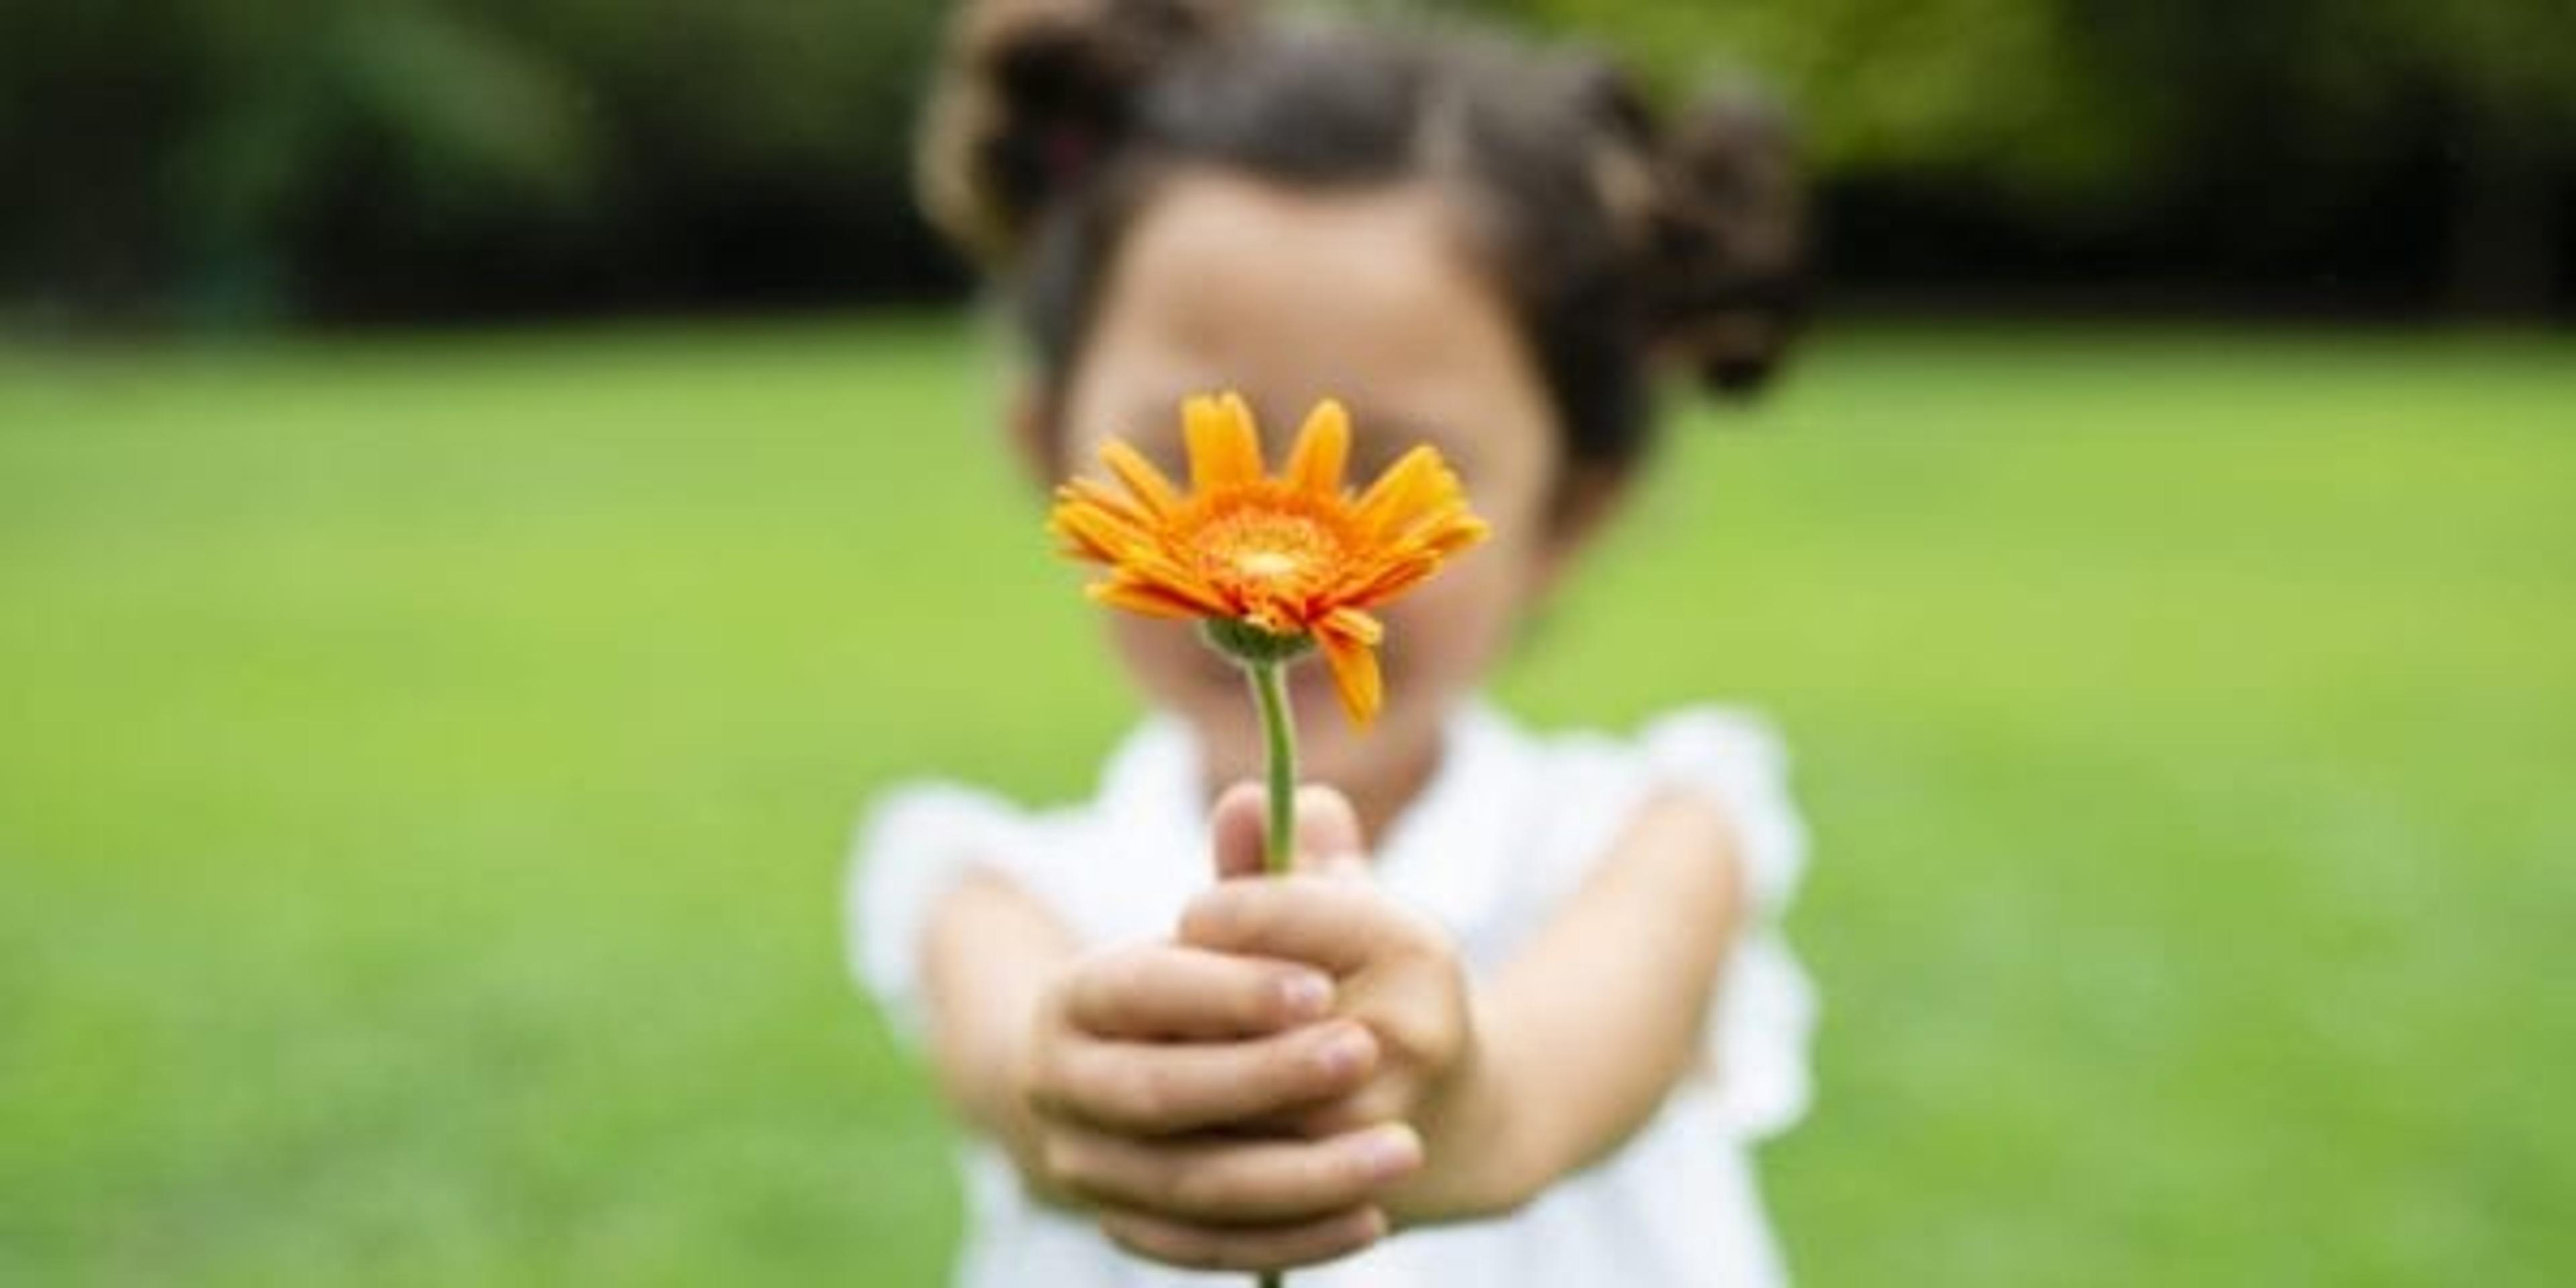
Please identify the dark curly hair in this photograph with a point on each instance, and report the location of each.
(1625, 240)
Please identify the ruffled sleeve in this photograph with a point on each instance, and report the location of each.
(914, 845)
(1761, 1024)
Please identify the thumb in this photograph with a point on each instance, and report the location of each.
(1327, 830)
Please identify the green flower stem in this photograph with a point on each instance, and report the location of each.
(1279, 733)
(1279, 730)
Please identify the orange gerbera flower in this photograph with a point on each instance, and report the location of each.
(1293, 557)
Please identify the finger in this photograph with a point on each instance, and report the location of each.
(1161, 1089)
(1234, 1181)
(1174, 991)
(1345, 867)
(1237, 830)
(1327, 830)
(1381, 1100)
(1287, 1246)
(1339, 925)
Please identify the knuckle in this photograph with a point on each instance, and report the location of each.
(1145, 1097)
(1076, 1071)
(1037, 1081)
(1423, 1021)
(1044, 1103)
(1197, 1187)
(1426, 1042)
(1255, 1003)
(1130, 965)
(1198, 1252)
(1055, 1001)
(1335, 1117)
(1341, 1242)
(1384, 1102)
(1105, 978)
(1062, 1161)
(1438, 1036)
(1361, 1230)
(1156, 1241)
(1067, 999)
(1211, 918)
(1125, 1235)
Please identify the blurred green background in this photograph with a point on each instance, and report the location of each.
(428, 763)
(450, 624)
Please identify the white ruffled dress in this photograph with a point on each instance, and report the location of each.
(1499, 840)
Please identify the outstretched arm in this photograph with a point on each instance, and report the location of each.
(1589, 1028)
(988, 956)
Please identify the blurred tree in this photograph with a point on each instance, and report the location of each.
(244, 158)
(2474, 98)
(399, 125)
(2501, 75)
(221, 160)
(2250, 125)
(2003, 92)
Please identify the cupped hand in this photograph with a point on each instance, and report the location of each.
(1395, 973)
(1142, 1066)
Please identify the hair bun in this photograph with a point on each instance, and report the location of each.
(1727, 274)
(1034, 96)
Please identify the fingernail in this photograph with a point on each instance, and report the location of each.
(1344, 1052)
(1390, 1152)
(1306, 995)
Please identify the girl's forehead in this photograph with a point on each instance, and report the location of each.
(1288, 297)
(1378, 436)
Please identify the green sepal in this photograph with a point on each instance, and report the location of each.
(1247, 643)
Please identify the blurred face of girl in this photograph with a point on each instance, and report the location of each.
(1288, 297)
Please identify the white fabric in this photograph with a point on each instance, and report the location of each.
(1501, 837)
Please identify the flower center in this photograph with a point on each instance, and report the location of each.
(1264, 564)
(1266, 551)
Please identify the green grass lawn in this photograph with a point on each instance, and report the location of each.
(425, 767)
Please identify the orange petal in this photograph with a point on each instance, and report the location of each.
(1363, 627)
(1153, 599)
(1323, 447)
(1444, 530)
(1175, 578)
(1225, 448)
(1353, 663)
(1458, 533)
(1414, 484)
(1080, 539)
(1390, 579)
(1152, 490)
(1093, 492)
(1096, 532)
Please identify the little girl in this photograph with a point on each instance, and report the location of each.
(1523, 1012)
